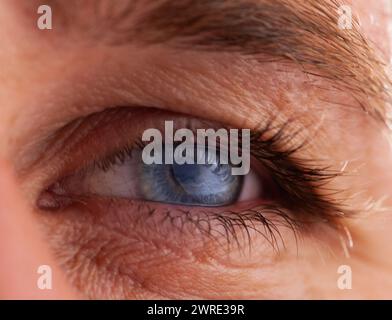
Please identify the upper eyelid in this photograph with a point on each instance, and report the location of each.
(65, 138)
(222, 100)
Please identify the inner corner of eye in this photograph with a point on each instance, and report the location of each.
(52, 198)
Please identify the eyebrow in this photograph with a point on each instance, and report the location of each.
(304, 32)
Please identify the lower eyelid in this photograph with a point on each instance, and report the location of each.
(225, 225)
(140, 247)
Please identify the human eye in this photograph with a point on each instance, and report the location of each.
(132, 221)
(193, 172)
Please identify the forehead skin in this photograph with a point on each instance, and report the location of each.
(36, 86)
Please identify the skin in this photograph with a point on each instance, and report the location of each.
(46, 83)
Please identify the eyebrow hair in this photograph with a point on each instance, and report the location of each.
(305, 32)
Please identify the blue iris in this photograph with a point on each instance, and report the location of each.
(190, 184)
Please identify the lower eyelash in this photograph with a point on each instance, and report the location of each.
(237, 224)
(226, 224)
(268, 221)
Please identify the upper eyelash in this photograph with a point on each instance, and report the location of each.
(302, 179)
